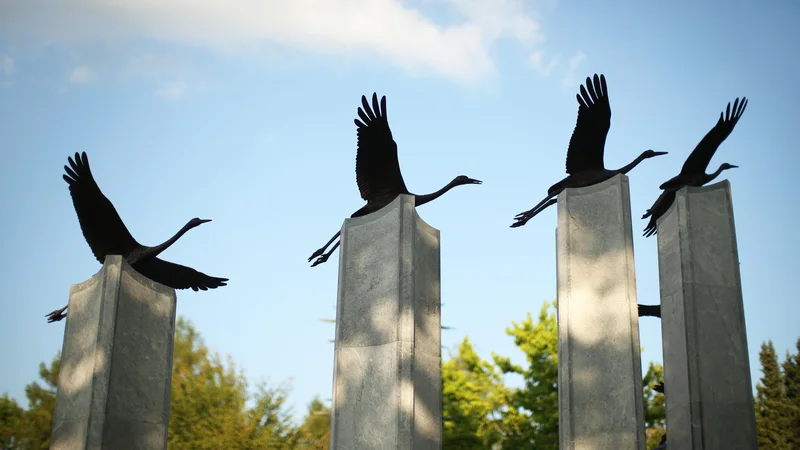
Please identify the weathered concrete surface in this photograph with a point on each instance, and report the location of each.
(600, 400)
(116, 363)
(387, 381)
(706, 361)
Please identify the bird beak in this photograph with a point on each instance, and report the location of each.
(473, 181)
(659, 153)
(734, 167)
(205, 220)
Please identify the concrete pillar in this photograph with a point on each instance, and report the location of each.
(116, 363)
(600, 398)
(706, 362)
(387, 380)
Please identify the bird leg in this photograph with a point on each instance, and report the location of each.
(650, 310)
(57, 315)
(524, 217)
(322, 250)
(325, 257)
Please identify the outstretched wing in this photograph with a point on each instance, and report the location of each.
(698, 160)
(177, 276)
(377, 167)
(588, 139)
(102, 227)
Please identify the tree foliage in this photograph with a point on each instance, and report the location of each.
(208, 403)
(776, 403)
(655, 409)
(482, 412)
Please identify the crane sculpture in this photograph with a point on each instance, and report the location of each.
(585, 165)
(378, 169)
(693, 172)
(106, 234)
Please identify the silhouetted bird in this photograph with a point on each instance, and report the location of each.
(378, 170)
(650, 310)
(106, 234)
(693, 172)
(586, 147)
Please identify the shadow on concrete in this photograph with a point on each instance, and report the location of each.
(597, 307)
(390, 332)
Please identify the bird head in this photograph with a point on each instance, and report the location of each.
(197, 222)
(726, 166)
(463, 179)
(652, 153)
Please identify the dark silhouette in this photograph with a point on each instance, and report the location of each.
(586, 147)
(693, 172)
(650, 310)
(106, 234)
(378, 170)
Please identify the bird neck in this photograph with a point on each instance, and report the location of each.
(154, 251)
(633, 164)
(420, 200)
(710, 177)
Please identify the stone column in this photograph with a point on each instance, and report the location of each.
(387, 380)
(600, 399)
(116, 363)
(706, 362)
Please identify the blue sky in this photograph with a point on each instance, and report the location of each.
(244, 113)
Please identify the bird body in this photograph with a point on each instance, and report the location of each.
(693, 172)
(106, 234)
(585, 164)
(378, 170)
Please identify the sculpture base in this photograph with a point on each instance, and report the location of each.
(387, 369)
(706, 362)
(600, 397)
(116, 363)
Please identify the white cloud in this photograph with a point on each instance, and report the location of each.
(173, 90)
(388, 29)
(81, 75)
(570, 79)
(7, 64)
(537, 61)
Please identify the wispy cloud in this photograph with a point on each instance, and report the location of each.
(7, 64)
(390, 30)
(173, 90)
(81, 75)
(570, 79)
(537, 61)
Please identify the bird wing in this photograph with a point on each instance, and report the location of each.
(102, 227)
(698, 160)
(588, 139)
(377, 167)
(177, 276)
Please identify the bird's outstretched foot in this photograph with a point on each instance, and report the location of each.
(56, 315)
(321, 259)
(522, 219)
(316, 254)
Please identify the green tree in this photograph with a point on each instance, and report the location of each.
(770, 405)
(11, 417)
(531, 417)
(315, 432)
(473, 395)
(207, 409)
(655, 411)
(791, 381)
